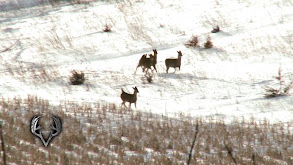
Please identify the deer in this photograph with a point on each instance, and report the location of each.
(155, 59)
(145, 63)
(131, 98)
(174, 62)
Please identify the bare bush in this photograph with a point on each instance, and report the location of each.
(77, 78)
(107, 28)
(193, 42)
(208, 44)
(282, 90)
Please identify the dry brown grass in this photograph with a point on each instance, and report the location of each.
(106, 134)
(33, 74)
(55, 39)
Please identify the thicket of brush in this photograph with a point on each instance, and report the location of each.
(193, 42)
(208, 44)
(77, 78)
(107, 28)
(106, 134)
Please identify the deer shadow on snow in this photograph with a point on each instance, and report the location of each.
(179, 76)
(188, 76)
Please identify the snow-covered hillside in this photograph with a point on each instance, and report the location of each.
(227, 80)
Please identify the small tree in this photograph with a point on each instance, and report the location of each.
(282, 90)
(77, 78)
(208, 44)
(107, 28)
(193, 42)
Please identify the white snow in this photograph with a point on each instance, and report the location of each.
(225, 81)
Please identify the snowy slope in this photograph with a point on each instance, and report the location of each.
(225, 81)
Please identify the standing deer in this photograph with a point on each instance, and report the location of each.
(155, 59)
(174, 63)
(145, 63)
(131, 98)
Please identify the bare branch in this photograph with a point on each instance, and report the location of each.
(193, 143)
(230, 153)
(2, 142)
(6, 49)
(253, 159)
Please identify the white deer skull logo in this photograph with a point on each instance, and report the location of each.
(56, 128)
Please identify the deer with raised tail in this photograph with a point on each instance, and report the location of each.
(174, 62)
(131, 98)
(147, 62)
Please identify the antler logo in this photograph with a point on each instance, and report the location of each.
(56, 129)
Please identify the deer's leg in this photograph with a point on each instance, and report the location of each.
(167, 69)
(136, 68)
(123, 103)
(135, 104)
(147, 69)
(152, 69)
(155, 68)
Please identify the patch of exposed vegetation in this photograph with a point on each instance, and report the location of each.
(105, 133)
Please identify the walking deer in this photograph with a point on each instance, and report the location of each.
(131, 98)
(145, 63)
(173, 62)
